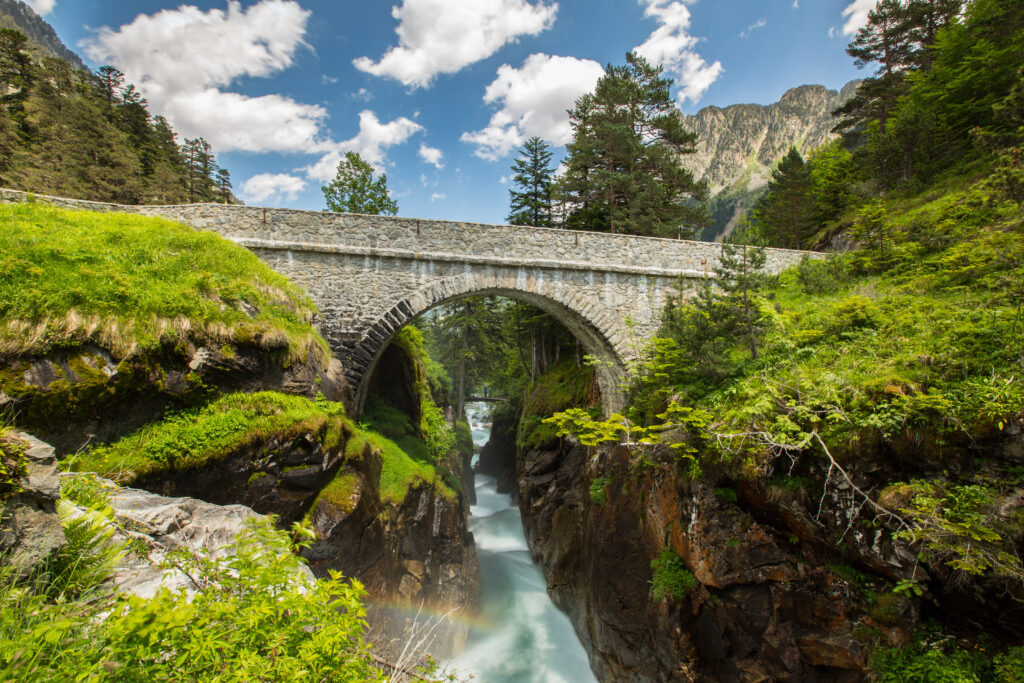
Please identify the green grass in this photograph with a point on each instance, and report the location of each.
(131, 283)
(401, 472)
(340, 492)
(192, 439)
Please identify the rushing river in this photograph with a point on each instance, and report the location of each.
(519, 636)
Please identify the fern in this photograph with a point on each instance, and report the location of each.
(90, 554)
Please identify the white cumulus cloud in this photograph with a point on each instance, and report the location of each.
(431, 155)
(672, 46)
(533, 100)
(272, 187)
(437, 196)
(183, 59)
(370, 142)
(444, 36)
(856, 14)
(41, 7)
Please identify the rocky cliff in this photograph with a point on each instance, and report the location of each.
(738, 145)
(19, 16)
(753, 603)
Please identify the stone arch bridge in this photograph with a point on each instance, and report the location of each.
(370, 275)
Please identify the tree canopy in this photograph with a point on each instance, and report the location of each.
(356, 190)
(623, 169)
(89, 135)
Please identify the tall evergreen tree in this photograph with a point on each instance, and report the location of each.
(623, 169)
(16, 76)
(785, 214)
(199, 167)
(531, 205)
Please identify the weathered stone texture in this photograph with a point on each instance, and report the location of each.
(370, 275)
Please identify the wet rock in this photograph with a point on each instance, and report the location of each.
(416, 558)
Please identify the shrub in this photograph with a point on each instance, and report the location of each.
(253, 617)
(671, 578)
(599, 490)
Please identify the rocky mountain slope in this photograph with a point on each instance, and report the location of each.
(738, 145)
(19, 16)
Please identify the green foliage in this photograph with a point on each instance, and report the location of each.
(90, 552)
(69, 132)
(623, 169)
(785, 215)
(821, 276)
(563, 387)
(599, 490)
(355, 190)
(191, 439)
(531, 204)
(12, 464)
(252, 617)
(132, 283)
(956, 525)
(671, 578)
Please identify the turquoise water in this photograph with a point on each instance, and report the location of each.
(519, 636)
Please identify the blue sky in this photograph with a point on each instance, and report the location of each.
(436, 93)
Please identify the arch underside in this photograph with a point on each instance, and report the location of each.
(597, 330)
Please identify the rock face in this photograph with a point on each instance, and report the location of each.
(750, 138)
(30, 529)
(737, 146)
(765, 607)
(168, 524)
(498, 455)
(83, 396)
(277, 476)
(417, 559)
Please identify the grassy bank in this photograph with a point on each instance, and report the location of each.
(131, 283)
(193, 439)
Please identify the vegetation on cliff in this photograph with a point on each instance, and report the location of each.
(69, 132)
(132, 283)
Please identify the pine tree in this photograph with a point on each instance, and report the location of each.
(785, 214)
(741, 278)
(199, 168)
(222, 180)
(109, 82)
(623, 170)
(532, 205)
(16, 77)
(355, 190)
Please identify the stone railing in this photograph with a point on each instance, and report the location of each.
(425, 239)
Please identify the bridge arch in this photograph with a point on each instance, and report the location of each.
(597, 332)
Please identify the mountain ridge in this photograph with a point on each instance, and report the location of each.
(738, 145)
(19, 16)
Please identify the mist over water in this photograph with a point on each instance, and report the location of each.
(519, 636)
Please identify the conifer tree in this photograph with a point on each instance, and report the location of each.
(623, 168)
(785, 214)
(532, 205)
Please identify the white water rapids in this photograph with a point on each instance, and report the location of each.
(519, 635)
